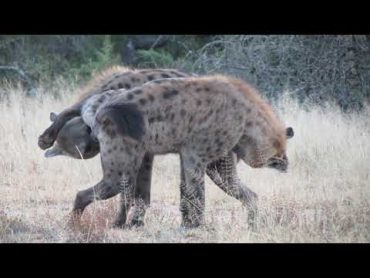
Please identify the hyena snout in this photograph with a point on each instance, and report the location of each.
(278, 164)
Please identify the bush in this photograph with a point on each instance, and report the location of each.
(317, 68)
(153, 59)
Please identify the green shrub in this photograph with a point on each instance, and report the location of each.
(154, 59)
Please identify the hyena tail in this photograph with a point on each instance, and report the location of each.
(125, 118)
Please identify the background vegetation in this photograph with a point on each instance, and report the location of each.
(315, 68)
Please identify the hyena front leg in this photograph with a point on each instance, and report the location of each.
(223, 173)
(142, 193)
(132, 204)
(192, 200)
(105, 189)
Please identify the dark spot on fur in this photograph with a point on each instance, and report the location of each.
(249, 124)
(134, 79)
(208, 100)
(182, 112)
(159, 118)
(120, 85)
(128, 151)
(169, 94)
(151, 98)
(150, 77)
(130, 96)
(220, 144)
(191, 159)
(120, 173)
(208, 149)
(142, 101)
(191, 118)
(199, 102)
(206, 89)
(151, 120)
(127, 86)
(137, 92)
(101, 99)
(184, 101)
(198, 89)
(146, 159)
(164, 75)
(115, 148)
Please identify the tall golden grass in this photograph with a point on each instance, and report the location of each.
(324, 197)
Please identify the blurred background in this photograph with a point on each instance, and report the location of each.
(314, 68)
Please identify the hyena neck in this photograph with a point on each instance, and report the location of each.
(91, 106)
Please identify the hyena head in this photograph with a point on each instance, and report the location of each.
(74, 140)
(279, 160)
(271, 155)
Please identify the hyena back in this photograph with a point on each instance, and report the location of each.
(201, 118)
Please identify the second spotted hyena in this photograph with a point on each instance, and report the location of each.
(201, 118)
(74, 138)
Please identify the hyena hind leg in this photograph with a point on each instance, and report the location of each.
(192, 199)
(142, 193)
(127, 165)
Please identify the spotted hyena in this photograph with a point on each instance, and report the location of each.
(201, 118)
(74, 137)
(111, 79)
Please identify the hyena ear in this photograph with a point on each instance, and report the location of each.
(55, 151)
(289, 132)
(53, 116)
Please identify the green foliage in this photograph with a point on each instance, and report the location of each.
(319, 68)
(154, 59)
(95, 61)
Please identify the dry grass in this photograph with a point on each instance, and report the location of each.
(325, 197)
